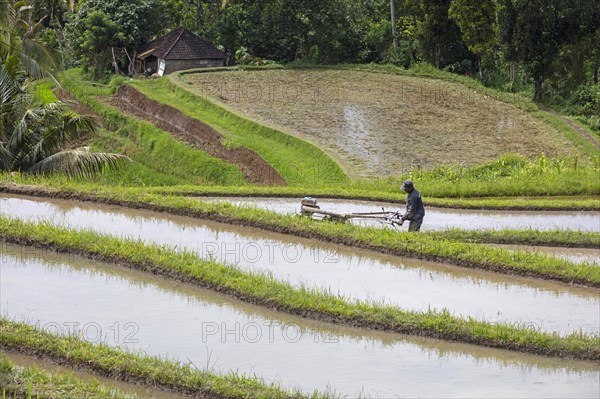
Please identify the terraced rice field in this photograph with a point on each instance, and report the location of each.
(381, 124)
(138, 311)
(436, 218)
(440, 219)
(217, 333)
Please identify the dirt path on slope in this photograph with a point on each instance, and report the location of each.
(578, 128)
(195, 133)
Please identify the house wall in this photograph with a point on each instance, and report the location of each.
(179, 65)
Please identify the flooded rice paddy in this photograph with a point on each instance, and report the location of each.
(138, 311)
(441, 219)
(350, 272)
(436, 218)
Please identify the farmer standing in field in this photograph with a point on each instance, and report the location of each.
(415, 211)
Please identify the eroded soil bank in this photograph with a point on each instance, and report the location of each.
(215, 332)
(195, 133)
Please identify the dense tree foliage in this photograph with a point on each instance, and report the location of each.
(551, 47)
(440, 38)
(538, 29)
(477, 22)
(105, 33)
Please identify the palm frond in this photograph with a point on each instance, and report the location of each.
(79, 162)
(36, 152)
(75, 125)
(6, 158)
(21, 135)
(18, 39)
(13, 111)
(7, 13)
(45, 55)
(61, 125)
(25, 8)
(8, 86)
(36, 28)
(9, 101)
(32, 138)
(32, 67)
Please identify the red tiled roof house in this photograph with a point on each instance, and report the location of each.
(179, 50)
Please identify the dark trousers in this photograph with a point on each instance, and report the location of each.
(415, 224)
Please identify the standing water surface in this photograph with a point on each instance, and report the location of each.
(138, 311)
(350, 272)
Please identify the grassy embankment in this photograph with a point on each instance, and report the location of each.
(510, 181)
(508, 176)
(505, 183)
(428, 246)
(496, 184)
(33, 382)
(264, 290)
(158, 158)
(145, 370)
(549, 238)
(567, 203)
(298, 162)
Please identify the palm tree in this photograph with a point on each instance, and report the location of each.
(34, 138)
(20, 51)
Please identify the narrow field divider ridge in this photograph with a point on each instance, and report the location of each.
(421, 246)
(262, 289)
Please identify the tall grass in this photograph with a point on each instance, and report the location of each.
(509, 175)
(158, 158)
(296, 160)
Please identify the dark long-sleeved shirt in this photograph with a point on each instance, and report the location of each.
(414, 206)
